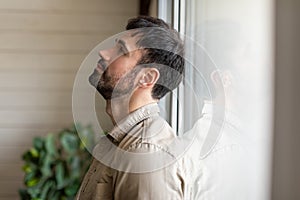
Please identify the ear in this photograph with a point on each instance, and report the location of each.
(221, 77)
(149, 77)
(227, 78)
(216, 78)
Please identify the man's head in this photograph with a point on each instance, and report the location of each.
(162, 49)
(148, 46)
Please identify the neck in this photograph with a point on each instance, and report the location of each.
(135, 102)
(119, 108)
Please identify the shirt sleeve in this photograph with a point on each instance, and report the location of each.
(153, 185)
(162, 184)
(224, 175)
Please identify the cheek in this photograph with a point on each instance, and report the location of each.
(120, 67)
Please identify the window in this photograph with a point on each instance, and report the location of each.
(234, 39)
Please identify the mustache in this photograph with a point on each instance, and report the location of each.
(102, 63)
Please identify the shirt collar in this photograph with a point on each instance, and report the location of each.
(125, 125)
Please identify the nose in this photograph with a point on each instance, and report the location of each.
(106, 54)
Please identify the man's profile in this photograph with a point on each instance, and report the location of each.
(132, 78)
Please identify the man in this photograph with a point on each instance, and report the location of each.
(134, 160)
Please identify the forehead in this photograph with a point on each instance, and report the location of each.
(129, 39)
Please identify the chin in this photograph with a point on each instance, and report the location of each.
(94, 78)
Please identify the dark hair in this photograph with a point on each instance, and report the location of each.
(163, 49)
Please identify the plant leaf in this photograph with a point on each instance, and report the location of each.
(38, 143)
(50, 145)
(72, 190)
(60, 175)
(46, 187)
(32, 182)
(46, 167)
(69, 142)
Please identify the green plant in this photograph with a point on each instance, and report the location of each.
(55, 165)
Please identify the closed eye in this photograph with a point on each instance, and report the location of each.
(122, 46)
(123, 51)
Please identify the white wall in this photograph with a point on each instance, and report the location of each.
(42, 44)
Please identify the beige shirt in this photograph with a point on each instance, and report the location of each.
(220, 163)
(136, 162)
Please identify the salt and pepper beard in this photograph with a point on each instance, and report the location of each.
(114, 86)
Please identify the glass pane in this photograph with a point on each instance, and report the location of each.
(229, 78)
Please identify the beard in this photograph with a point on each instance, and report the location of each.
(114, 86)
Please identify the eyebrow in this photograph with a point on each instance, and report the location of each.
(123, 44)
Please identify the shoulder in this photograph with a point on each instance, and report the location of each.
(152, 135)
